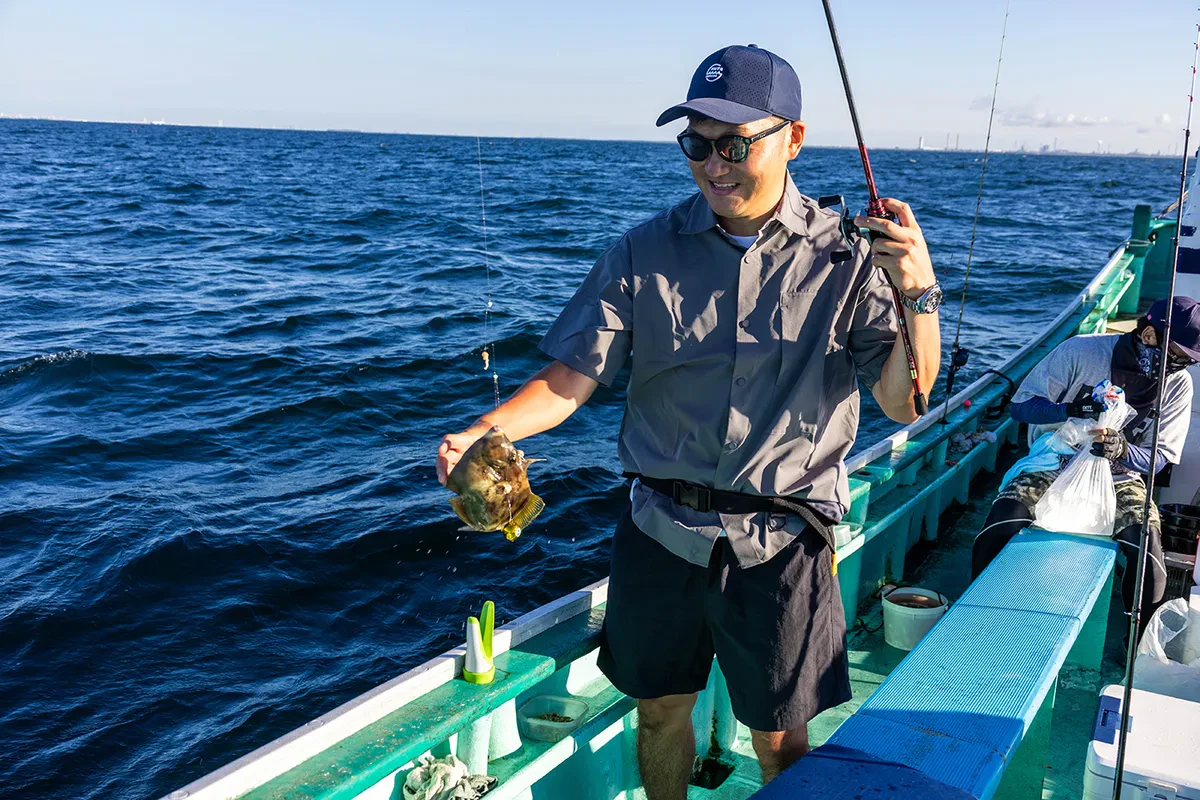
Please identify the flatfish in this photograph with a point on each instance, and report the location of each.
(492, 487)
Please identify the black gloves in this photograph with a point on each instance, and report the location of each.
(1110, 445)
(1083, 406)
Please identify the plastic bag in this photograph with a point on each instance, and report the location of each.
(1168, 655)
(1045, 454)
(1083, 498)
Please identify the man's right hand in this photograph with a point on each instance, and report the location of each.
(542, 402)
(1083, 406)
(451, 449)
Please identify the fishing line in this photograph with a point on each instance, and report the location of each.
(959, 356)
(1144, 534)
(489, 359)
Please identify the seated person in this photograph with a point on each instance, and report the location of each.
(1061, 387)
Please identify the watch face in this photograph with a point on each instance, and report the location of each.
(931, 299)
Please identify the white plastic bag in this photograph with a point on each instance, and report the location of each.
(1168, 655)
(1083, 499)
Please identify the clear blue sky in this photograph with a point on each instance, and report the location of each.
(1079, 71)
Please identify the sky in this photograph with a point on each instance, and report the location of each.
(1107, 74)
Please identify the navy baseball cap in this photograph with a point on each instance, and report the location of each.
(740, 84)
(1185, 323)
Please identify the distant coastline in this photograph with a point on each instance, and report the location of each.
(1044, 151)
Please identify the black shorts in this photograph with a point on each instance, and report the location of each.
(777, 629)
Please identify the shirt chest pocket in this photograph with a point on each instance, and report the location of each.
(806, 324)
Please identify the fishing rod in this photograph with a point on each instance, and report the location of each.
(875, 208)
(1144, 534)
(960, 355)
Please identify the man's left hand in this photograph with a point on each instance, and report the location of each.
(1109, 443)
(900, 249)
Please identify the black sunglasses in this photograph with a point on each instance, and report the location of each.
(731, 147)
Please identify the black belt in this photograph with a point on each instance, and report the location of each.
(704, 499)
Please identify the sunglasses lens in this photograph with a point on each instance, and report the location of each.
(694, 147)
(733, 148)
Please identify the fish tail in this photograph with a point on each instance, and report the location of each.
(524, 516)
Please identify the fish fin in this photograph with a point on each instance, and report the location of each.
(525, 515)
(457, 504)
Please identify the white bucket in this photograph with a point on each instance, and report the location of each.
(904, 626)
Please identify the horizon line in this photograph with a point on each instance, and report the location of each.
(221, 126)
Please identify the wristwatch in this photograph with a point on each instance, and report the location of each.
(927, 303)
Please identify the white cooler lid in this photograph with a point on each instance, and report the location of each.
(1164, 741)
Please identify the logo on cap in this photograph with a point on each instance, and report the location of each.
(714, 73)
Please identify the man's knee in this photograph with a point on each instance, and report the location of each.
(776, 750)
(666, 713)
(769, 742)
(1004, 521)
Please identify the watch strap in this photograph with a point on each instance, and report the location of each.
(920, 305)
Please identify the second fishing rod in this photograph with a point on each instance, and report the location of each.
(876, 208)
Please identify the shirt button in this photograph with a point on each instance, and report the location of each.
(740, 381)
(729, 447)
(745, 324)
(775, 522)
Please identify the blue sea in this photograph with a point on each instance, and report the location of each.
(227, 357)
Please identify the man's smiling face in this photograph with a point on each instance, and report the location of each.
(745, 194)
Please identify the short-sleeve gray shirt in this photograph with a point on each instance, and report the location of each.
(744, 364)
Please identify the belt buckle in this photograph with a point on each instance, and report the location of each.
(695, 497)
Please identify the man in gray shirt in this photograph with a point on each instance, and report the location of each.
(748, 322)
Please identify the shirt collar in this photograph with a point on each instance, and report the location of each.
(791, 212)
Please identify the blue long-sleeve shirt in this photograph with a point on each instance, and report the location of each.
(1040, 411)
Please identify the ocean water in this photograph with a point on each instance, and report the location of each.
(226, 359)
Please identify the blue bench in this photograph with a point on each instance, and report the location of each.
(969, 708)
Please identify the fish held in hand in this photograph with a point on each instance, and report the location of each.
(492, 487)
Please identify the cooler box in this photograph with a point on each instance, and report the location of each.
(1162, 760)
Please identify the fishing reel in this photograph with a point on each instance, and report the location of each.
(846, 225)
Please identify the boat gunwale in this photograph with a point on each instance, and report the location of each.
(312, 738)
(889, 444)
(280, 755)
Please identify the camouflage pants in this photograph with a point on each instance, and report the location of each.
(1027, 488)
(1005, 521)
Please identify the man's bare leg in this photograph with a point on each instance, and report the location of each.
(776, 750)
(666, 747)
